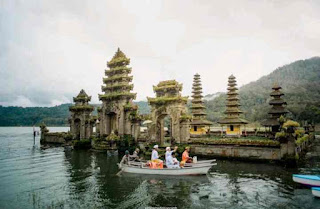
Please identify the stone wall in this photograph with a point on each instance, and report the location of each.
(54, 138)
(235, 151)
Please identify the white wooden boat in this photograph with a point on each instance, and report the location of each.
(316, 191)
(202, 162)
(308, 180)
(194, 170)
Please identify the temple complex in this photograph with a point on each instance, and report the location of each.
(118, 121)
(169, 102)
(199, 124)
(276, 110)
(118, 114)
(232, 119)
(81, 120)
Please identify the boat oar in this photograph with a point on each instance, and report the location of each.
(119, 173)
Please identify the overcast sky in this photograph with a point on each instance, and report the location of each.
(51, 49)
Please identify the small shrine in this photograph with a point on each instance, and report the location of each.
(199, 124)
(81, 121)
(169, 102)
(232, 119)
(277, 110)
(118, 114)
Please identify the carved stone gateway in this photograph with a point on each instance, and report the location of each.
(169, 102)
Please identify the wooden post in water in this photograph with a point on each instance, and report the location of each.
(34, 136)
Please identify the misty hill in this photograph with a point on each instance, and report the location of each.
(300, 82)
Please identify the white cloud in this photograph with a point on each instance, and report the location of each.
(21, 101)
(53, 49)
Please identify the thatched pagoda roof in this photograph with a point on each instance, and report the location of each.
(82, 97)
(201, 122)
(231, 121)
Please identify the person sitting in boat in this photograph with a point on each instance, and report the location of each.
(155, 161)
(172, 162)
(169, 152)
(154, 154)
(125, 159)
(185, 156)
(175, 160)
(135, 155)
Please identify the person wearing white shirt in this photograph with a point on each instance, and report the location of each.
(154, 155)
(172, 161)
(169, 152)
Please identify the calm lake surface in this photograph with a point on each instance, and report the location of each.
(31, 177)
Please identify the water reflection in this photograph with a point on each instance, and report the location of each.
(31, 177)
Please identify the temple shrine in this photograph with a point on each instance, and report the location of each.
(118, 114)
(232, 119)
(277, 110)
(199, 124)
(81, 120)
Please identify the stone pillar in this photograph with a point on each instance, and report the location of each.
(88, 130)
(136, 131)
(98, 129)
(127, 124)
(176, 130)
(121, 122)
(184, 131)
(82, 128)
(103, 123)
(161, 137)
(107, 124)
(288, 149)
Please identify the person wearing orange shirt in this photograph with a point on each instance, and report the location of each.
(185, 155)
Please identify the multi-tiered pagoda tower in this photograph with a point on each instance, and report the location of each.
(276, 110)
(233, 120)
(199, 124)
(81, 121)
(118, 114)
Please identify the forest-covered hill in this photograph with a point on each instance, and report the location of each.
(28, 116)
(300, 82)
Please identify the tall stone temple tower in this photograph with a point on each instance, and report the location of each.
(199, 124)
(81, 121)
(232, 119)
(169, 102)
(118, 114)
(276, 110)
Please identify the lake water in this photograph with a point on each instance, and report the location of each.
(31, 177)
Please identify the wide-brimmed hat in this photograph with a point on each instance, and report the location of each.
(155, 146)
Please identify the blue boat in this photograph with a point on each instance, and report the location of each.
(316, 191)
(308, 180)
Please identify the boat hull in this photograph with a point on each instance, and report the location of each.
(316, 191)
(308, 180)
(199, 170)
